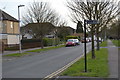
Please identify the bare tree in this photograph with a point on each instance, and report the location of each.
(114, 30)
(104, 12)
(40, 12)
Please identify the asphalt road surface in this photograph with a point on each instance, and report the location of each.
(41, 65)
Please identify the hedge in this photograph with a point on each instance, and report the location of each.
(46, 41)
(30, 40)
(32, 43)
(72, 37)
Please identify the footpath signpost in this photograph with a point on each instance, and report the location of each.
(87, 22)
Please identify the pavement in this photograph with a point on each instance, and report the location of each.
(113, 59)
(23, 50)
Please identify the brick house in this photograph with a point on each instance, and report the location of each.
(9, 30)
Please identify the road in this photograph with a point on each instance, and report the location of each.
(41, 65)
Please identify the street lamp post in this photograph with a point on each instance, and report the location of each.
(20, 50)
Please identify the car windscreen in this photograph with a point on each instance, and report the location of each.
(76, 40)
(70, 40)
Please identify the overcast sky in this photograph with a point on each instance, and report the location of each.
(10, 6)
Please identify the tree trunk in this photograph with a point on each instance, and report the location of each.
(93, 50)
(98, 45)
(42, 46)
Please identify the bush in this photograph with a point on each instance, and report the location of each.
(30, 40)
(47, 42)
(32, 43)
(72, 37)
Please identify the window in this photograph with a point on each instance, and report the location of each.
(11, 24)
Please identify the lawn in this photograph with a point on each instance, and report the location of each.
(116, 42)
(45, 49)
(96, 67)
(16, 54)
(103, 44)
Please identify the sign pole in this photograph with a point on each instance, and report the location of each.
(85, 46)
(87, 22)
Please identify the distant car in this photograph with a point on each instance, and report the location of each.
(70, 42)
(88, 40)
(83, 41)
(77, 42)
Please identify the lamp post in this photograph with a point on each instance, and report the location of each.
(20, 50)
(1, 25)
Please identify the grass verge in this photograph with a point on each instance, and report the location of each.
(96, 67)
(45, 49)
(103, 44)
(17, 54)
(116, 42)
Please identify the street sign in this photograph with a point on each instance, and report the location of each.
(85, 49)
(92, 22)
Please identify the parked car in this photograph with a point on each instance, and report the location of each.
(77, 42)
(83, 41)
(88, 40)
(70, 42)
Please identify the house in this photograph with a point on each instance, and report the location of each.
(80, 35)
(69, 29)
(34, 30)
(49, 29)
(9, 30)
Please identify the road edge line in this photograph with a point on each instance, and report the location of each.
(63, 68)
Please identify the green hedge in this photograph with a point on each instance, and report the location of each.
(72, 37)
(30, 40)
(46, 41)
(50, 42)
(35, 42)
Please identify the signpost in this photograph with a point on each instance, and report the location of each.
(87, 22)
(92, 22)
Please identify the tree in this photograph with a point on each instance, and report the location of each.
(114, 30)
(40, 12)
(63, 32)
(103, 11)
(79, 27)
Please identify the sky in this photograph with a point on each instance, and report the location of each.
(11, 7)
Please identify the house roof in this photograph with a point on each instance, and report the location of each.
(45, 24)
(67, 27)
(30, 25)
(6, 16)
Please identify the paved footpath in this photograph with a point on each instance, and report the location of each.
(113, 60)
(23, 50)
